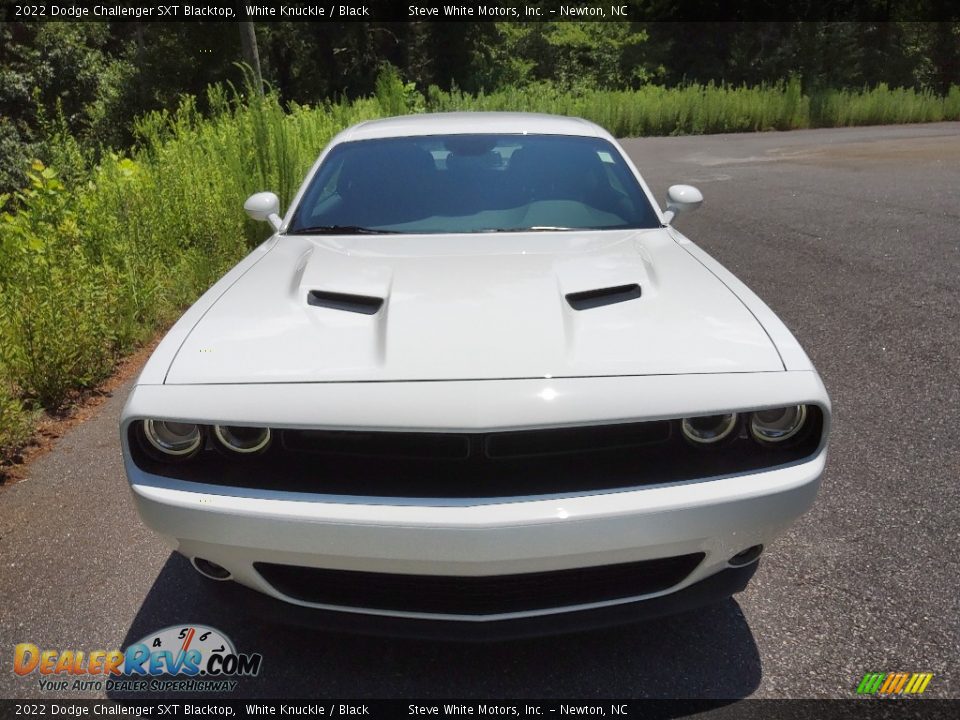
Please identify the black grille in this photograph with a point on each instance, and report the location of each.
(438, 446)
(500, 445)
(504, 464)
(487, 595)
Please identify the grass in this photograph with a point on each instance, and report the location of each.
(93, 261)
(702, 109)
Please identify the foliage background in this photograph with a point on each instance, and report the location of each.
(93, 79)
(126, 149)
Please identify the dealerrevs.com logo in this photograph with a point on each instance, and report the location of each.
(182, 658)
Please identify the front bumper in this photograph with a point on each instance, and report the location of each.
(482, 537)
(718, 518)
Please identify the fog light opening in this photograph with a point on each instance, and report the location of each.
(210, 569)
(745, 557)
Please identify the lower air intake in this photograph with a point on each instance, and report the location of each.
(471, 595)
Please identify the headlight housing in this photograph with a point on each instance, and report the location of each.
(777, 424)
(242, 439)
(173, 440)
(709, 429)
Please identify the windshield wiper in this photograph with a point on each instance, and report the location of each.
(340, 230)
(532, 228)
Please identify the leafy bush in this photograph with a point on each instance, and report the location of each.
(15, 422)
(59, 302)
(395, 96)
(90, 269)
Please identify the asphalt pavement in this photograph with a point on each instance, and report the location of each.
(853, 237)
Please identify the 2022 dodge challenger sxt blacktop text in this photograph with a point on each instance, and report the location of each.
(476, 381)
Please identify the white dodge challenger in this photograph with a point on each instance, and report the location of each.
(475, 384)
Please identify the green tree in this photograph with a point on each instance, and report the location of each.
(51, 74)
(570, 54)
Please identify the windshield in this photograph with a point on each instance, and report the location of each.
(473, 183)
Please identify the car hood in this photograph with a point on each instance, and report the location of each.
(453, 307)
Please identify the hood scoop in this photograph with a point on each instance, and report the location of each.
(589, 299)
(363, 304)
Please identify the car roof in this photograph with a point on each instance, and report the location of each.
(462, 123)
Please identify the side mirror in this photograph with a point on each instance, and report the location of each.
(681, 198)
(265, 207)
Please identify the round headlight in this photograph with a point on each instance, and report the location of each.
(173, 438)
(778, 424)
(245, 440)
(709, 429)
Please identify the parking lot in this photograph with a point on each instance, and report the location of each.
(852, 236)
